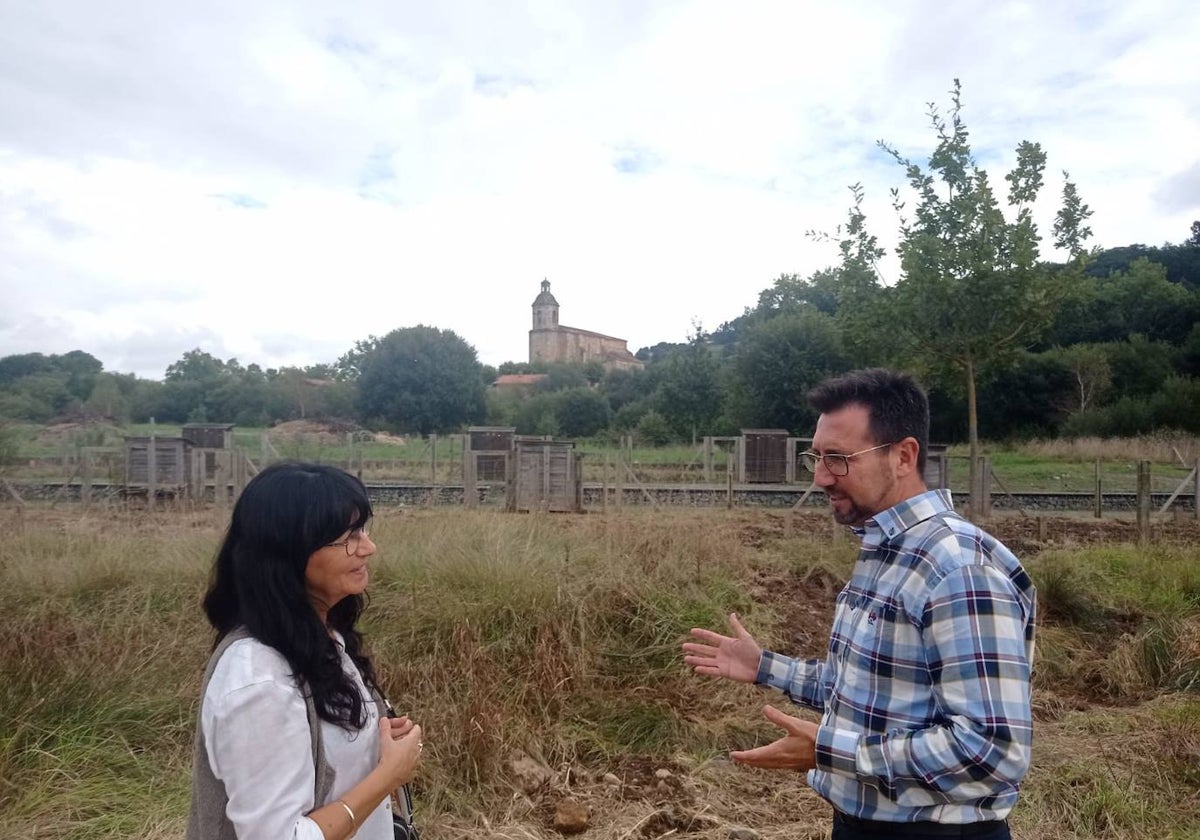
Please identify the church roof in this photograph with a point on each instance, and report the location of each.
(545, 298)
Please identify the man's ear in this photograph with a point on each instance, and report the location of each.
(907, 451)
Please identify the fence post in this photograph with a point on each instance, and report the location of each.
(985, 487)
(1099, 502)
(85, 489)
(604, 485)
(708, 459)
(729, 481)
(151, 468)
(1143, 500)
(619, 478)
(221, 480)
(433, 458)
(1196, 493)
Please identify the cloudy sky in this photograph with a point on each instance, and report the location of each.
(274, 180)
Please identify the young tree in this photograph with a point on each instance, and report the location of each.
(689, 395)
(972, 293)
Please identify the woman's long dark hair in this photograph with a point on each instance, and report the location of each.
(287, 512)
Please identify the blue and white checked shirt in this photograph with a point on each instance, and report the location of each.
(925, 691)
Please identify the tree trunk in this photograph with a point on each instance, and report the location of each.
(973, 438)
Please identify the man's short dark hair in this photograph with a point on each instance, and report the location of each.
(896, 404)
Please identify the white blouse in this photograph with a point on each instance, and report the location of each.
(258, 741)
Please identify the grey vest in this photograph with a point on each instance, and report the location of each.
(206, 818)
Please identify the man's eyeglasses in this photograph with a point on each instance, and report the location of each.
(351, 542)
(838, 465)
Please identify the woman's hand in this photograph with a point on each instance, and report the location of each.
(399, 754)
(401, 726)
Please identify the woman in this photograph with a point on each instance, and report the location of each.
(293, 741)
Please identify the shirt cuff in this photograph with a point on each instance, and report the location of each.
(776, 671)
(837, 751)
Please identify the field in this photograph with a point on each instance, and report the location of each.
(554, 640)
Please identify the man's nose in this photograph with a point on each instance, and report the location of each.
(823, 477)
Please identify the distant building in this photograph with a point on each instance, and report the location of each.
(521, 382)
(549, 341)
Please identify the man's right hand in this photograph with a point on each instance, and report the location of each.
(733, 657)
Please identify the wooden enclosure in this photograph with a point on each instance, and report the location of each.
(546, 476)
(209, 435)
(174, 466)
(763, 456)
(161, 463)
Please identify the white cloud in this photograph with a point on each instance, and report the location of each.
(275, 181)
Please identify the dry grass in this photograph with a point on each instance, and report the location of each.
(1163, 448)
(557, 636)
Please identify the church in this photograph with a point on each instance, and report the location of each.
(549, 341)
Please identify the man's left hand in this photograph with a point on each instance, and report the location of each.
(794, 751)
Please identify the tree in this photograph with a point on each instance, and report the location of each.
(420, 379)
(1091, 373)
(581, 412)
(689, 394)
(972, 294)
(1194, 239)
(1138, 299)
(777, 363)
(1026, 400)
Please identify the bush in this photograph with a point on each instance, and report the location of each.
(653, 429)
(1175, 406)
(1127, 417)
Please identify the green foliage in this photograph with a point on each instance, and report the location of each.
(1139, 366)
(777, 362)
(1136, 299)
(8, 446)
(1027, 400)
(537, 415)
(1182, 262)
(1090, 374)
(37, 387)
(653, 429)
(581, 412)
(972, 293)
(688, 395)
(1177, 405)
(421, 379)
(1070, 230)
(623, 387)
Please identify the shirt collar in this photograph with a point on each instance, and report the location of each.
(891, 523)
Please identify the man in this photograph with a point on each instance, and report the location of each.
(925, 724)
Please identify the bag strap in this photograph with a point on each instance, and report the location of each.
(401, 796)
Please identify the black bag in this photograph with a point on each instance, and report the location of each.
(402, 824)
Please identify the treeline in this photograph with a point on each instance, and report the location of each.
(1121, 357)
(1009, 344)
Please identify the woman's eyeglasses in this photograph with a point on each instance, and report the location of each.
(351, 542)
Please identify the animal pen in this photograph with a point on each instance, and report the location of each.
(201, 463)
(537, 473)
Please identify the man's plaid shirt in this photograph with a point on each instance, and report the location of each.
(925, 691)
